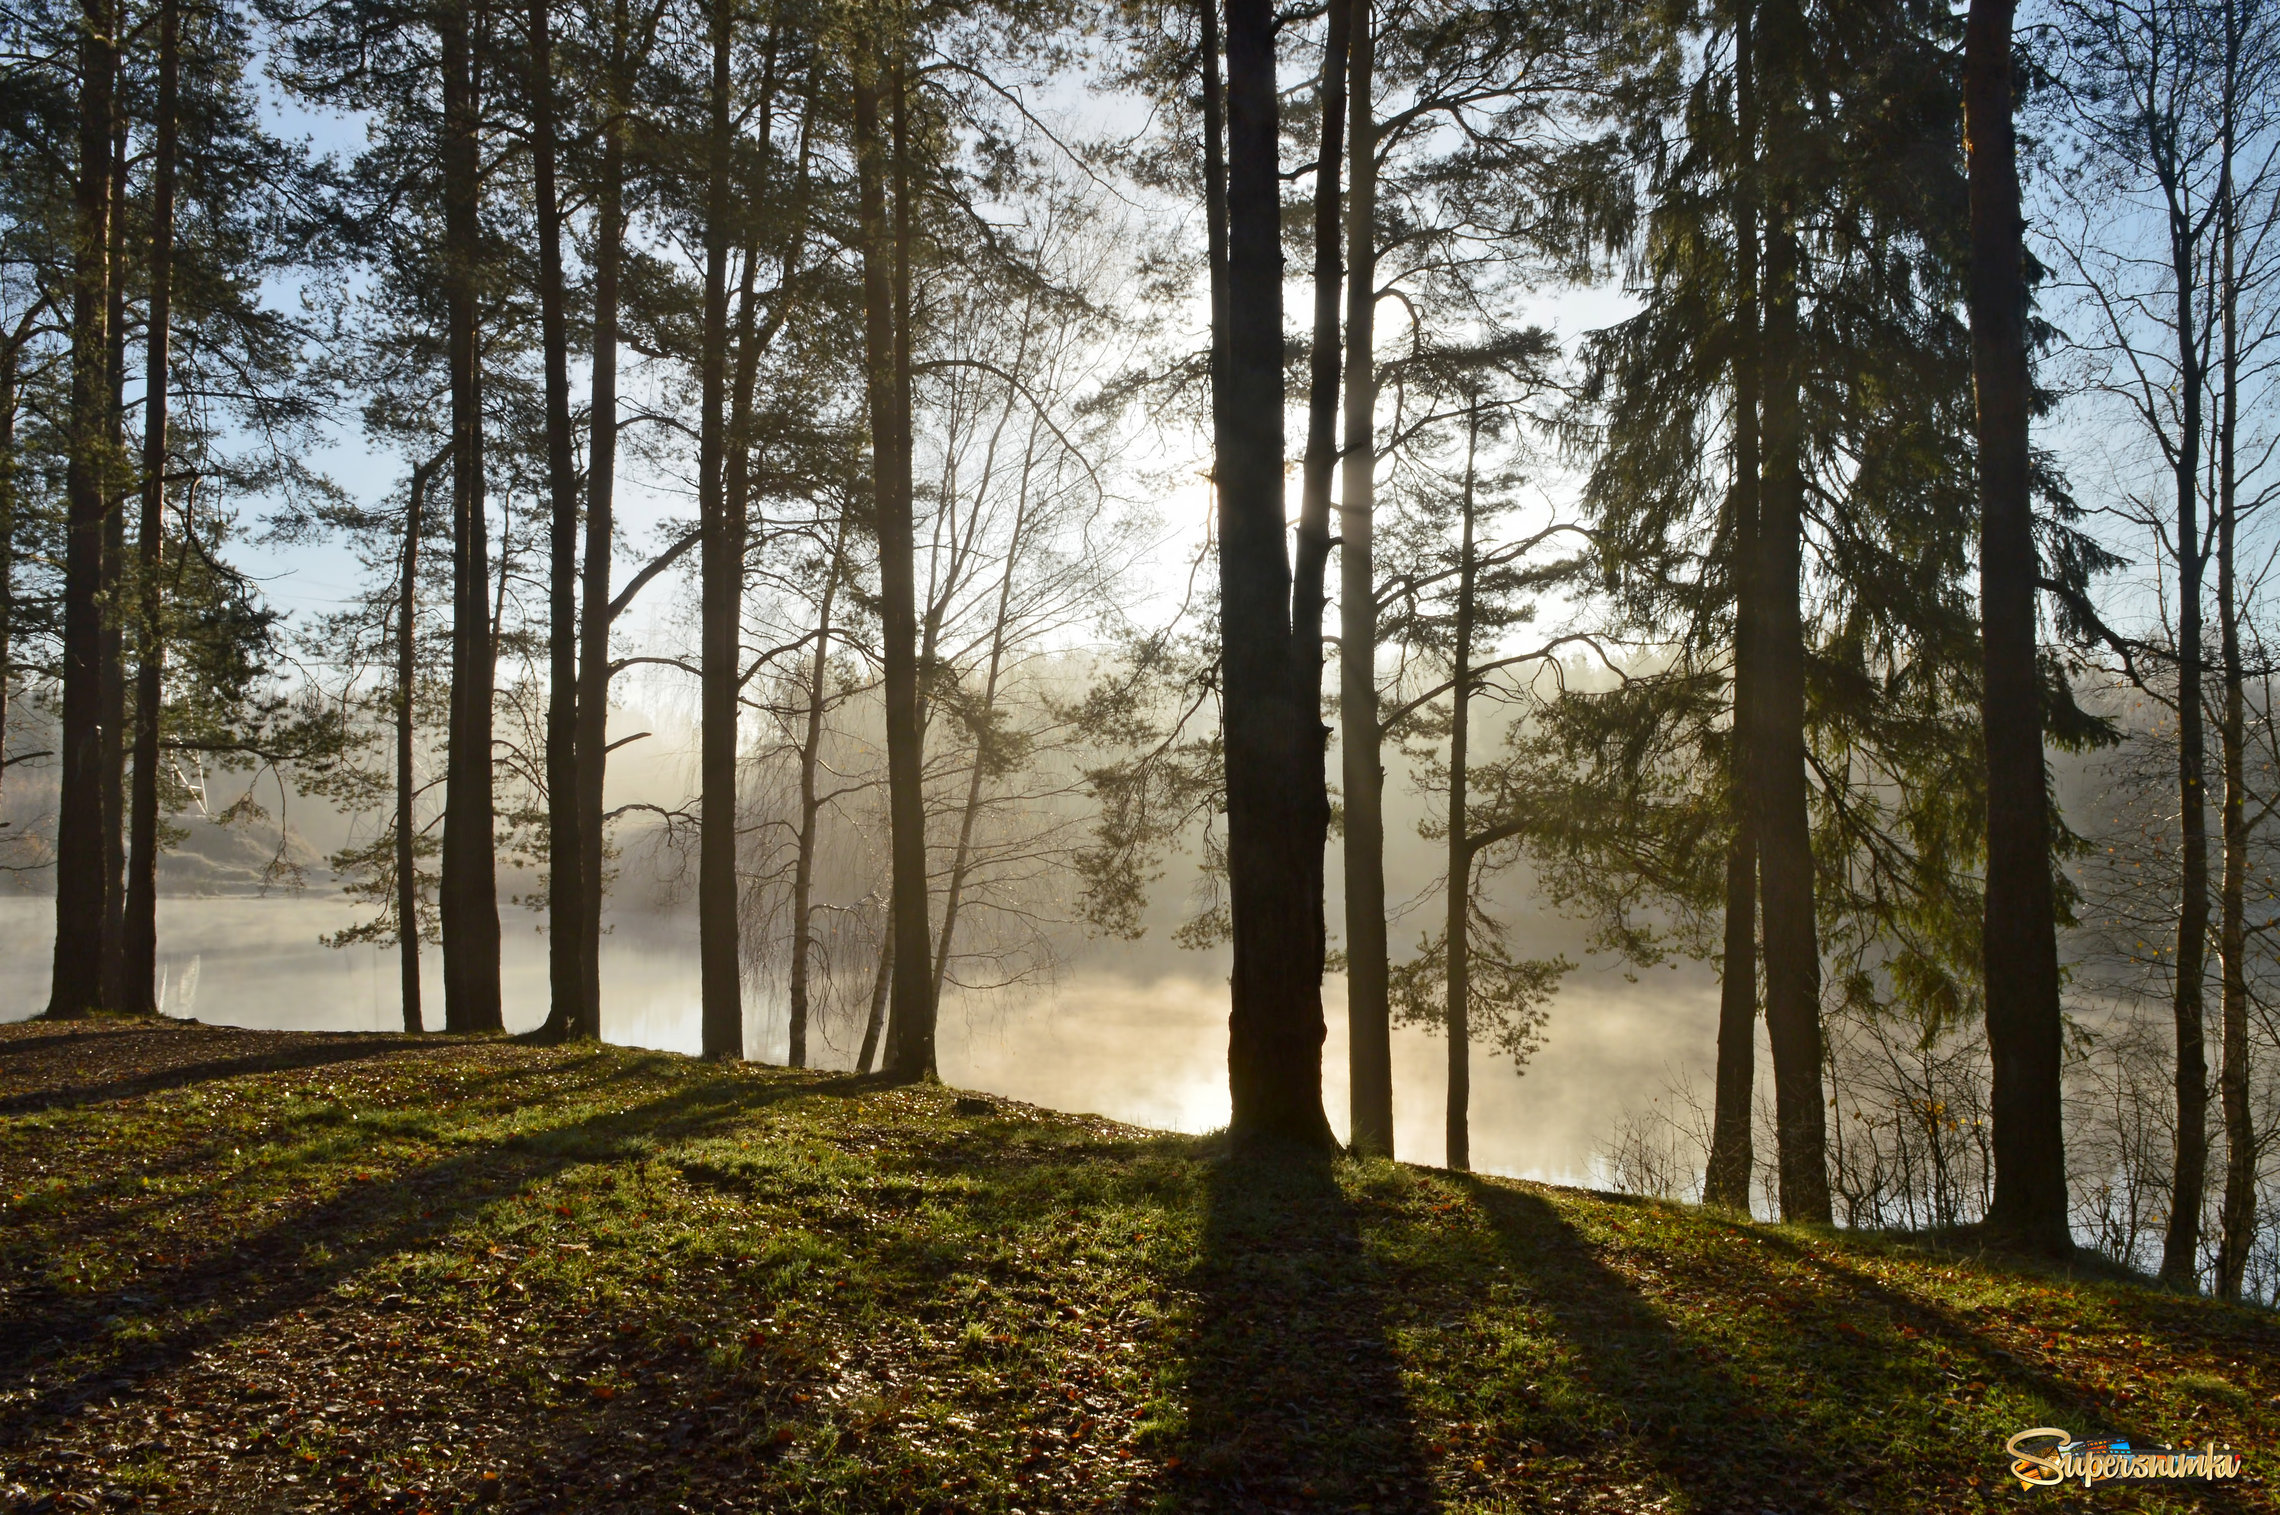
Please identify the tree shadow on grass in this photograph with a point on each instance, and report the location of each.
(1295, 1400)
(1653, 1400)
(163, 1058)
(270, 1273)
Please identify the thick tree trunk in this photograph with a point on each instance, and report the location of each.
(1777, 735)
(1458, 922)
(469, 887)
(886, 251)
(2021, 943)
(1369, 1035)
(141, 946)
(407, 819)
(75, 984)
(721, 972)
(567, 1012)
(1276, 800)
(1726, 1179)
(593, 701)
(114, 645)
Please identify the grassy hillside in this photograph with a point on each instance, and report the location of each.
(254, 1271)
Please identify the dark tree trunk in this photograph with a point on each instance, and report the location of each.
(910, 1029)
(114, 652)
(716, 845)
(1311, 559)
(2021, 942)
(469, 887)
(2236, 1224)
(1726, 1180)
(1458, 918)
(141, 946)
(75, 984)
(407, 679)
(1277, 804)
(2181, 1243)
(567, 1013)
(593, 699)
(1777, 736)
(1369, 1034)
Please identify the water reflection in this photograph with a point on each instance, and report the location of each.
(1124, 1033)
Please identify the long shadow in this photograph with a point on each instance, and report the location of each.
(61, 1094)
(268, 1273)
(1662, 1401)
(2087, 1409)
(1295, 1399)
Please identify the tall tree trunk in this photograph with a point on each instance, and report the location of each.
(1277, 804)
(114, 651)
(2181, 1243)
(469, 887)
(1726, 1180)
(593, 700)
(2020, 937)
(141, 947)
(2236, 1225)
(716, 860)
(567, 1013)
(1369, 1034)
(1777, 735)
(75, 983)
(407, 680)
(1311, 557)
(886, 253)
(1458, 923)
(811, 756)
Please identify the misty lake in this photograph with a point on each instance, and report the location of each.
(1137, 1033)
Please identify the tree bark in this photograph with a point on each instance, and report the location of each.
(75, 983)
(1777, 736)
(593, 698)
(1726, 1179)
(2181, 1242)
(407, 820)
(141, 946)
(567, 1013)
(1369, 1034)
(469, 887)
(114, 649)
(1458, 922)
(2020, 939)
(2236, 1224)
(722, 974)
(886, 306)
(1276, 800)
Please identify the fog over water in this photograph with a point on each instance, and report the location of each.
(1135, 1032)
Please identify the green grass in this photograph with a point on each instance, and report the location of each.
(249, 1271)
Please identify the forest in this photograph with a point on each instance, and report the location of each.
(1778, 485)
